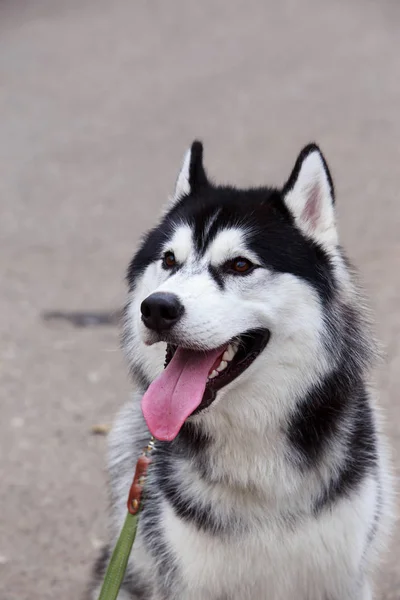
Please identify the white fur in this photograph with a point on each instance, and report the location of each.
(250, 565)
(182, 186)
(229, 243)
(311, 202)
(181, 243)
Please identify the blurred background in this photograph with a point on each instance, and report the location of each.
(98, 102)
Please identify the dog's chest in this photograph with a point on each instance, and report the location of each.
(268, 562)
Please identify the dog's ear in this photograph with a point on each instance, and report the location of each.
(309, 196)
(192, 175)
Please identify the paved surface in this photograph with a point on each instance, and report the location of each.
(98, 101)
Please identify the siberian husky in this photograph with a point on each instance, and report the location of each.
(269, 478)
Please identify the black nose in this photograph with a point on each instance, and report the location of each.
(160, 311)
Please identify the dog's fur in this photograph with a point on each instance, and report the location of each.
(280, 489)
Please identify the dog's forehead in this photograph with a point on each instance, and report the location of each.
(225, 243)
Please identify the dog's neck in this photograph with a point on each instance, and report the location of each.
(230, 445)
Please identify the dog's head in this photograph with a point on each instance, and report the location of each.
(229, 290)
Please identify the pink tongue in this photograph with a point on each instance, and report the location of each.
(177, 392)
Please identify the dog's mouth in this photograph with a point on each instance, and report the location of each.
(232, 360)
(192, 378)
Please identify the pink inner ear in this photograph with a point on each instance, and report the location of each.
(312, 209)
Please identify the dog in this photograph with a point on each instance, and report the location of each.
(269, 478)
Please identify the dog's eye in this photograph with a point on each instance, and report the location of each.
(169, 260)
(239, 265)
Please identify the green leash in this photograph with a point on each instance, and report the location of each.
(117, 566)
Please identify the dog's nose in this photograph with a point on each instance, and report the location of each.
(160, 311)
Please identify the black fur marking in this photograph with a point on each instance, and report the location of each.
(190, 445)
(101, 563)
(317, 420)
(216, 275)
(191, 440)
(340, 398)
(136, 587)
(197, 174)
(149, 251)
(321, 413)
(361, 457)
(187, 508)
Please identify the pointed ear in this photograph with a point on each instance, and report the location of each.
(309, 196)
(192, 175)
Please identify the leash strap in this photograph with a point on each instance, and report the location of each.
(117, 566)
(119, 560)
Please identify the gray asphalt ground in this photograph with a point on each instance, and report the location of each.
(98, 101)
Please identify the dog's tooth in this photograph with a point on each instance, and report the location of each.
(222, 365)
(229, 353)
(213, 374)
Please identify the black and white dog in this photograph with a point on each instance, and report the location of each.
(269, 480)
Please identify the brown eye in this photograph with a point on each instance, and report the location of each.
(169, 260)
(240, 265)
